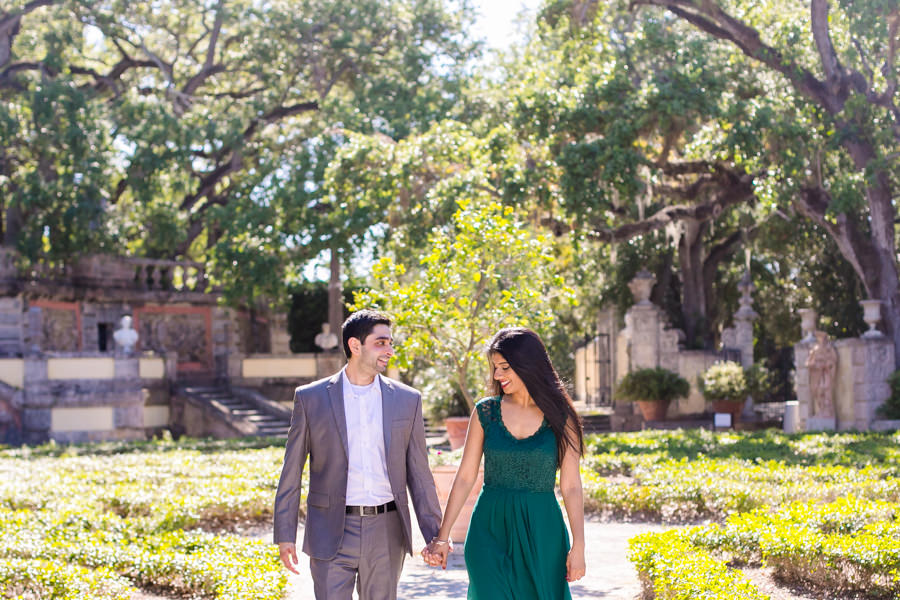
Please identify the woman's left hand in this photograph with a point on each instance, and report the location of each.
(575, 568)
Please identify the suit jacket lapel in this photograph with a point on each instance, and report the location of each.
(336, 395)
(388, 406)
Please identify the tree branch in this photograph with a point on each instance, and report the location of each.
(834, 73)
(739, 190)
(10, 23)
(709, 17)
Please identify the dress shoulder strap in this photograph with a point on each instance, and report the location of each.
(488, 411)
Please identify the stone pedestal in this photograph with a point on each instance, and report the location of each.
(863, 366)
(821, 424)
(280, 337)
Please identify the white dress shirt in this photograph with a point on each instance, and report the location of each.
(367, 477)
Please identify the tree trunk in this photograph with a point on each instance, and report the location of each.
(881, 277)
(13, 226)
(335, 294)
(693, 288)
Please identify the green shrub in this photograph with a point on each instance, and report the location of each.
(35, 579)
(133, 514)
(724, 380)
(656, 384)
(891, 407)
(671, 567)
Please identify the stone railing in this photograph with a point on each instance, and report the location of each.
(156, 274)
(145, 274)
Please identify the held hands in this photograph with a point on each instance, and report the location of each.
(575, 568)
(437, 551)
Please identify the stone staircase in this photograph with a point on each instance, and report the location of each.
(598, 423)
(246, 411)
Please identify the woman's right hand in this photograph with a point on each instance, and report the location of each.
(436, 553)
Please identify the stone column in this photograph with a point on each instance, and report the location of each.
(33, 327)
(36, 407)
(873, 362)
(11, 326)
(640, 339)
(279, 336)
(743, 330)
(226, 343)
(644, 324)
(801, 380)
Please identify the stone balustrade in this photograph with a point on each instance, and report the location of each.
(142, 274)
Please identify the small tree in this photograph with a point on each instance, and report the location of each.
(485, 270)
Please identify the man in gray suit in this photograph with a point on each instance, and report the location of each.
(365, 439)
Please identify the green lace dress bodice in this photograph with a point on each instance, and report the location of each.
(517, 541)
(527, 464)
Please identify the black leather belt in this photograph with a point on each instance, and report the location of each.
(368, 511)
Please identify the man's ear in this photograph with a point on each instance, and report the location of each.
(355, 345)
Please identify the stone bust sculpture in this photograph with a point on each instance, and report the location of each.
(822, 365)
(125, 336)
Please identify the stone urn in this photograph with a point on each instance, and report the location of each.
(641, 286)
(871, 315)
(808, 324)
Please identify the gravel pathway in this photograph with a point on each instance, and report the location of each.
(609, 574)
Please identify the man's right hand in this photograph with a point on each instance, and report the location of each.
(288, 554)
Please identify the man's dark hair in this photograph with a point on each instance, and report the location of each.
(360, 324)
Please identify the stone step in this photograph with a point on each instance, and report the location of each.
(596, 423)
(238, 409)
(245, 411)
(261, 418)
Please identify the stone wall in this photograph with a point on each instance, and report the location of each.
(647, 341)
(82, 397)
(860, 383)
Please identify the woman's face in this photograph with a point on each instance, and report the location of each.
(505, 376)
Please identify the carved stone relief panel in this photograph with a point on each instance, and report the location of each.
(186, 333)
(60, 331)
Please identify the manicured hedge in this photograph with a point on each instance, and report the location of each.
(118, 516)
(823, 510)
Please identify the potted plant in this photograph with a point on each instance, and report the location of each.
(652, 390)
(450, 409)
(725, 385)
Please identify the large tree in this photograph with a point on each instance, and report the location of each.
(832, 134)
(624, 105)
(181, 128)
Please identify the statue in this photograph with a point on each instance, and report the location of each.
(326, 340)
(822, 365)
(126, 337)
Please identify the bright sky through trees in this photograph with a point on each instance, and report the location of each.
(498, 20)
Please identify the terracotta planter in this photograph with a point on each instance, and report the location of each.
(733, 407)
(443, 480)
(456, 431)
(654, 410)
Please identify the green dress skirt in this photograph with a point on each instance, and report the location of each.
(517, 542)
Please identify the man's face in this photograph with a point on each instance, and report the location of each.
(376, 350)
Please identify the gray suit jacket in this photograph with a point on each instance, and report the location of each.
(319, 431)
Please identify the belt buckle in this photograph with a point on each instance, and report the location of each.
(368, 511)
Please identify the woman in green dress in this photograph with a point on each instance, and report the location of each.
(517, 546)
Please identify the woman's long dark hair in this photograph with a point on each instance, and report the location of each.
(525, 352)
